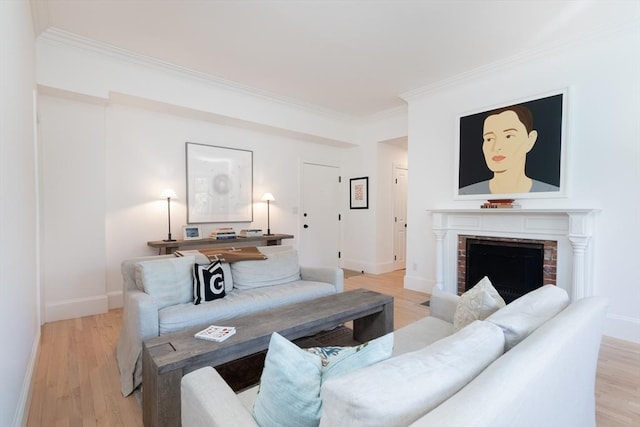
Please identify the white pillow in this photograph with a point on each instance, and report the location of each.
(281, 267)
(477, 304)
(527, 313)
(398, 391)
(289, 394)
(168, 280)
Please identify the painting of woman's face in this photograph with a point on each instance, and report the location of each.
(506, 142)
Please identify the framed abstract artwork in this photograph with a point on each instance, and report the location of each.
(219, 184)
(359, 193)
(513, 151)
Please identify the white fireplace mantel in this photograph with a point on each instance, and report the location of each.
(571, 228)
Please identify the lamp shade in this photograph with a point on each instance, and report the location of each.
(168, 194)
(268, 197)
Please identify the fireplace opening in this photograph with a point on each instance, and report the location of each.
(514, 268)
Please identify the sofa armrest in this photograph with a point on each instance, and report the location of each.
(335, 276)
(207, 400)
(139, 322)
(443, 305)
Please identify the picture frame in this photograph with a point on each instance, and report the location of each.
(219, 184)
(484, 163)
(191, 232)
(359, 193)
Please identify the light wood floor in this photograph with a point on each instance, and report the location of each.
(76, 382)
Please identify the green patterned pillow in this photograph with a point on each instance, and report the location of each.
(289, 393)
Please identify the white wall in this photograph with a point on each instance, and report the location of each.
(19, 323)
(603, 143)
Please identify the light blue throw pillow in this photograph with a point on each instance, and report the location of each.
(289, 393)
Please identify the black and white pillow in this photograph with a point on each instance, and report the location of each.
(208, 282)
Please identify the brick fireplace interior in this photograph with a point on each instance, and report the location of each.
(515, 266)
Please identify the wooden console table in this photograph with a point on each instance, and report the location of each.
(170, 247)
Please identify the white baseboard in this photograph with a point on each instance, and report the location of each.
(115, 299)
(622, 327)
(77, 307)
(367, 267)
(22, 413)
(418, 284)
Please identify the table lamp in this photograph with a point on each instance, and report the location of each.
(268, 197)
(168, 194)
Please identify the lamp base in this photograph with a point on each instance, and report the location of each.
(168, 240)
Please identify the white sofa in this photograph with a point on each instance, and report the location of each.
(250, 286)
(546, 379)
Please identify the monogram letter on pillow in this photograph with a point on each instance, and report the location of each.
(208, 282)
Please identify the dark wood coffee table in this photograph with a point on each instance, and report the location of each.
(166, 359)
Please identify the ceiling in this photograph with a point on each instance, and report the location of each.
(352, 57)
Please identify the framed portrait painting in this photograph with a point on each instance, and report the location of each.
(513, 151)
(219, 184)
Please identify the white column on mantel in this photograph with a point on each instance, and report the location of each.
(578, 232)
(440, 230)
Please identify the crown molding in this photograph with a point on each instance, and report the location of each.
(56, 35)
(520, 58)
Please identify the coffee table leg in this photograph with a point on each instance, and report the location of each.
(160, 394)
(374, 325)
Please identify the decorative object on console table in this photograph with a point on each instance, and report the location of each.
(359, 193)
(250, 232)
(191, 232)
(168, 194)
(268, 197)
(223, 233)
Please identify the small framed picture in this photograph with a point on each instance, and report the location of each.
(359, 193)
(191, 232)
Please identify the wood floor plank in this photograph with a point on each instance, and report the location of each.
(76, 379)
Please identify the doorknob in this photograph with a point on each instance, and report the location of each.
(305, 226)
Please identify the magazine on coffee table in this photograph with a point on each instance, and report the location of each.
(216, 333)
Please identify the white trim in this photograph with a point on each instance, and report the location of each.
(76, 307)
(57, 35)
(622, 327)
(24, 401)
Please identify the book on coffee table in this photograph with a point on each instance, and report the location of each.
(216, 333)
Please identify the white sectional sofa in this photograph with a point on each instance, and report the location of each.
(530, 364)
(250, 287)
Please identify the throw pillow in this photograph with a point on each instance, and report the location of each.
(477, 304)
(201, 258)
(289, 393)
(168, 280)
(400, 390)
(527, 313)
(208, 282)
(281, 267)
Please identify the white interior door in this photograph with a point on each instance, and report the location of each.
(400, 217)
(320, 229)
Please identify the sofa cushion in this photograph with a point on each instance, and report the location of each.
(168, 280)
(477, 304)
(289, 393)
(208, 282)
(280, 267)
(239, 303)
(400, 390)
(525, 314)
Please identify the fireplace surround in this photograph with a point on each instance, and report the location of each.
(570, 229)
